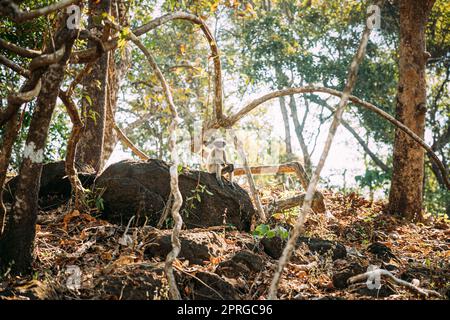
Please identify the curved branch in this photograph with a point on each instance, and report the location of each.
(11, 9)
(363, 144)
(229, 121)
(22, 97)
(47, 59)
(27, 53)
(89, 54)
(14, 67)
(75, 135)
(129, 144)
(382, 272)
(175, 191)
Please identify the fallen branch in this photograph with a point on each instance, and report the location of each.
(386, 273)
(291, 167)
(280, 205)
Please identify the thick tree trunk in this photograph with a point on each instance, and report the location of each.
(11, 131)
(95, 84)
(99, 138)
(406, 192)
(287, 129)
(17, 241)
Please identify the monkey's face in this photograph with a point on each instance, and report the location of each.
(219, 143)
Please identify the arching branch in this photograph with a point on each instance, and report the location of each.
(363, 144)
(14, 67)
(11, 9)
(88, 54)
(26, 53)
(126, 141)
(231, 120)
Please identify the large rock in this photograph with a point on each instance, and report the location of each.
(55, 187)
(142, 189)
(274, 247)
(197, 247)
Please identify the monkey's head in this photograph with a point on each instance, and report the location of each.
(219, 143)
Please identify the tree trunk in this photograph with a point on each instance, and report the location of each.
(17, 241)
(95, 84)
(406, 194)
(299, 132)
(117, 69)
(287, 129)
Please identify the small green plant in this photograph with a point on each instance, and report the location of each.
(93, 200)
(196, 197)
(265, 231)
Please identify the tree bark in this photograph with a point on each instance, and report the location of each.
(299, 132)
(117, 69)
(95, 84)
(406, 194)
(17, 241)
(287, 129)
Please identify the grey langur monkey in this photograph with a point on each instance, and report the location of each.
(217, 162)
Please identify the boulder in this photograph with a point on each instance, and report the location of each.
(55, 188)
(274, 247)
(142, 189)
(210, 286)
(243, 263)
(197, 247)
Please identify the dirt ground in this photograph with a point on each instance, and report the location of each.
(80, 256)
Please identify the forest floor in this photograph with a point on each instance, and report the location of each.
(73, 246)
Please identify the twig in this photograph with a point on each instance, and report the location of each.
(250, 180)
(383, 272)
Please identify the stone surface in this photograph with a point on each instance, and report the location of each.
(196, 247)
(55, 187)
(142, 189)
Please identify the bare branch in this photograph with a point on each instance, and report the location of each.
(11, 9)
(47, 59)
(363, 144)
(27, 53)
(230, 121)
(175, 191)
(14, 67)
(75, 135)
(278, 206)
(130, 144)
(22, 97)
(290, 246)
(89, 54)
(250, 180)
(386, 273)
